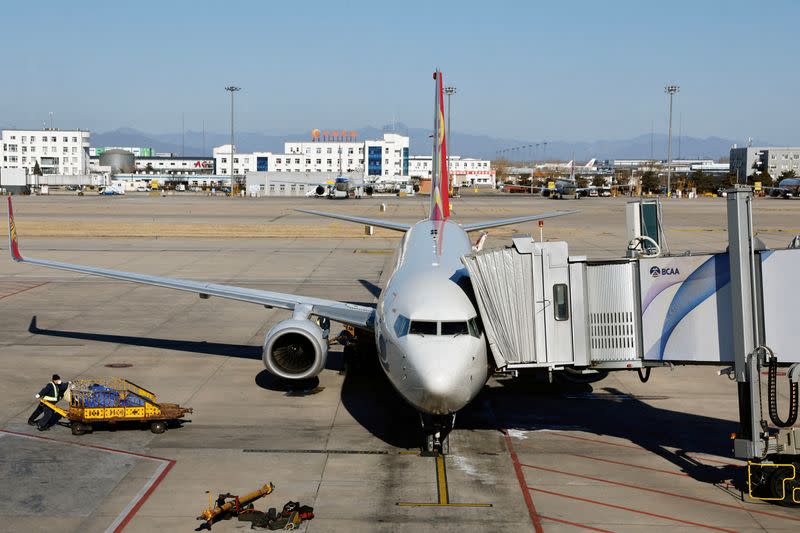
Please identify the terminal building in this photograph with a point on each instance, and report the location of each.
(57, 152)
(750, 160)
(326, 152)
(465, 172)
(176, 165)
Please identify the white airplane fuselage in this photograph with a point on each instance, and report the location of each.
(440, 371)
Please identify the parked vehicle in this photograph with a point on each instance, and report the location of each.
(113, 189)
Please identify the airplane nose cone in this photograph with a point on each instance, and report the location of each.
(442, 379)
(440, 385)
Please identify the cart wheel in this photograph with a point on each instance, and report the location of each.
(158, 426)
(78, 428)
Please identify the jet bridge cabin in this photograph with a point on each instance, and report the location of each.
(543, 309)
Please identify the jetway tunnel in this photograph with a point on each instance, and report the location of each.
(543, 308)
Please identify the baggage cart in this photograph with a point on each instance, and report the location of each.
(114, 400)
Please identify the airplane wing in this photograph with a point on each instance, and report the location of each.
(475, 226)
(388, 224)
(347, 313)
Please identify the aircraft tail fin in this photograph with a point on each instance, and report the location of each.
(591, 163)
(440, 175)
(13, 242)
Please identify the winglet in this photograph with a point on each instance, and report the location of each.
(13, 243)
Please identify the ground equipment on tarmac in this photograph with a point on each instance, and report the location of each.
(114, 400)
(228, 505)
(290, 518)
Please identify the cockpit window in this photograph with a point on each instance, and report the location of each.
(455, 328)
(401, 326)
(422, 327)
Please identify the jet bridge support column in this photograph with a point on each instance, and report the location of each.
(751, 439)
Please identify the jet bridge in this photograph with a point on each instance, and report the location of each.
(544, 309)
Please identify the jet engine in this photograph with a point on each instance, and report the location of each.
(320, 190)
(295, 349)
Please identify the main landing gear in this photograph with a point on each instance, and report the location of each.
(436, 431)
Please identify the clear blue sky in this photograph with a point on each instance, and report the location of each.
(564, 70)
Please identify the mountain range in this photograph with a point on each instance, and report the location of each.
(195, 143)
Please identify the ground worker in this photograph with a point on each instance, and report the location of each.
(52, 392)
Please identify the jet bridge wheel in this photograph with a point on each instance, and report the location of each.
(785, 489)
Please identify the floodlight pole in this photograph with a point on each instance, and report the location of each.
(449, 91)
(232, 89)
(670, 90)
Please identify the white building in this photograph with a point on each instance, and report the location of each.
(387, 157)
(242, 162)
(293, 183)
(57, 152)
(137, 151)
(466, 172)
(167, 165)
(751, 160)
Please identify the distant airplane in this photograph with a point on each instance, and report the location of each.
(568, 187)
(426, 327)
(787, 188)
(570, 165)
(340, 188)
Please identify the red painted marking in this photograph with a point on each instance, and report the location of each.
(658, 491)
(535, 520)
(632, 510)
(631, 465)
(128, 517)
(630, 446)
(710, 460)
(23, 290)
(84, 445)
(582, 526)
(145, 496)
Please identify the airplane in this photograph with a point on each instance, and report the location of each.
(340, 188)
(427, 331)
(568, 187)
(344, 188)
(570, 165)
(787, 188)
(562, 187)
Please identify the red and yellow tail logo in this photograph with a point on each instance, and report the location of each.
(440, 182)
(12, 234)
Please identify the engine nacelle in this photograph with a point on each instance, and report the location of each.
(295, 349)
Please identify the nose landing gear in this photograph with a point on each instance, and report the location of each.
(436, 431)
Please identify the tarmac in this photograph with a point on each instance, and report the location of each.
(618, 455)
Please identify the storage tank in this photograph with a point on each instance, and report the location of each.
(120, 161)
